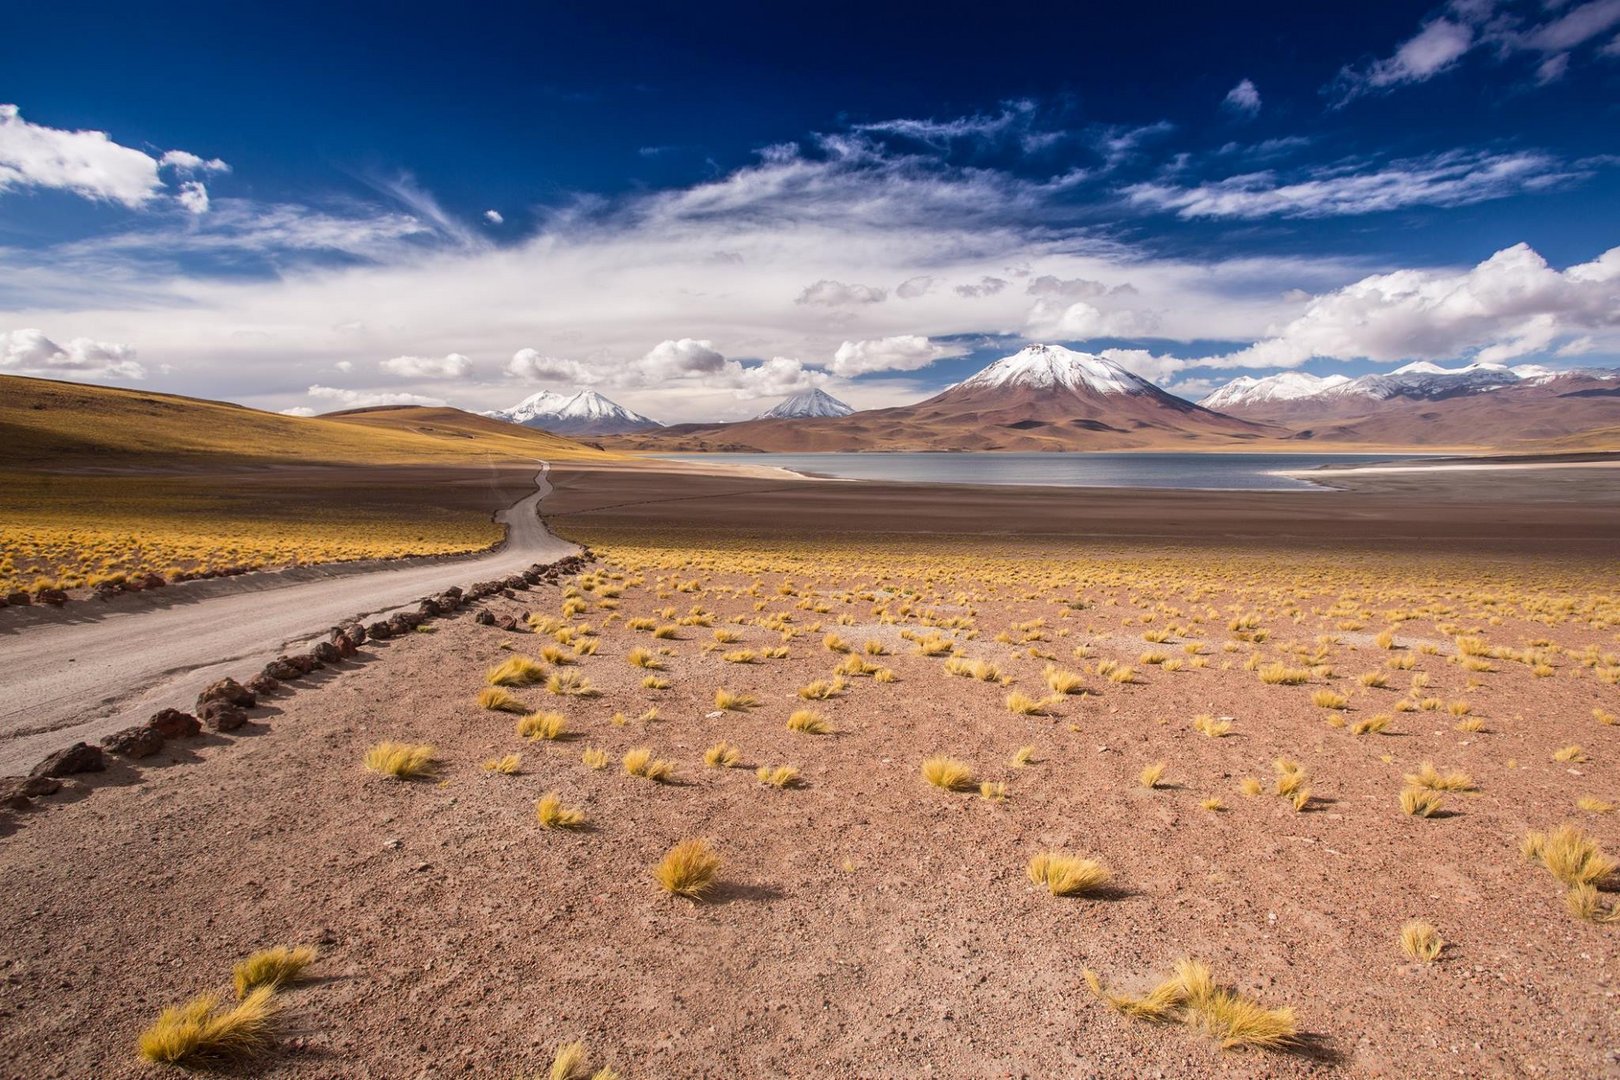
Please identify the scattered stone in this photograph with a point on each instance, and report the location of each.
(282, 669)
(19, 598)
(105, 591)
(53, 597)
(262, 685)
(136, 742)
(149, 581)
(484, 617)
(174, 724)
(81, 757)
(344, 645)
(506, 622)
(325, 652)
(227, 690)
(221, 715)
(379, 630)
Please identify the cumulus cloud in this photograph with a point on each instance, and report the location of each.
(1243, 99)
(902, 352)
(1455, 178)
(683, 358)
(1151, 366)
(28, 351)
(366, 399)
(1511, 305)
(193, 196)
(533, 366)
(187, 163)
(494, 217)
(298, 410)
(86, 163)
(836, 293)
(453, 366)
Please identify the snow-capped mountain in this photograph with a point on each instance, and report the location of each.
(807, 404)
(1050, 367)
(1295, 393)
(584, 413)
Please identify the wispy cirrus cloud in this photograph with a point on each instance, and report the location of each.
(1454, 178)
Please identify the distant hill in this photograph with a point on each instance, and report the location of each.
(584, 413)
(806, 405)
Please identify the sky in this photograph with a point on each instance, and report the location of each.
(699, 209)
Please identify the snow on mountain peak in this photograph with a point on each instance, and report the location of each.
(586, 411)
(806, 404)
(1049, 367)
(1287, 386)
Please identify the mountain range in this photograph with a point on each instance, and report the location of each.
(1047, 397)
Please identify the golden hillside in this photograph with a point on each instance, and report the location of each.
(58, 425)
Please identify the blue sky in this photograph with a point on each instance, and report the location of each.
(697, 210)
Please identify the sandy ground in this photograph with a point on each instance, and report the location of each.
(87, 669)
(866, 923)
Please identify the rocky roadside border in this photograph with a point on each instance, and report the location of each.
(223, 706)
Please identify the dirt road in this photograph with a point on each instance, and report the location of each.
(88, 669)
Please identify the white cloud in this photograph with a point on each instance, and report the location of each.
(28, 351)
(683, 358)
(1244, 98)
(494, 217)
(1455, 178)
(193, 196)
(86, 163)
(531, 366)
(1432, 50)
(298, 410)
(985, 286)
(187, 163)
(1149, 365)
(836, 293)
(452, 366)
(913, 287)
(903, 352)
(1511, 305)
(366, 399)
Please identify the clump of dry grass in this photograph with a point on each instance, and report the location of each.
(1370, 725)
(201, 1033)
(570, 684)
(1433, 779)
(1150, 775)
(948, 773)
(552, 814)
(1327, 699)
(272, 968)
(1283, 675)
(1569, 854)
(1584, 902)
(640, 762)
(834, 643)
(688, 869)
(1569, 753)
(1067, 875)
(594, 757)
(645, 658)
(1210, 726)
(1421, 802)
(1421, 941)
(1024, 705)
(732, 702)
(506, 765)
(992, 790)
(982, 670)
(1024, 755)
(1191, 996)
(516, 671)
(1063, 682)
(1594, 805)
(1251, 786)
(809, 722)
(653, 682)
(722, 755)
(777, 776)
(495, 699)
(543, 725)
(822, 689)
(402, 761)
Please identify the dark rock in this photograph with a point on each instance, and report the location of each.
(325, 652)
(484, 617)
(282, 669)
(379, 631)
(19, 598)
(150, 581)
(221, 715)
(105, 591)
(262, 685)
(53, 597)
(19, 792)
(79, 758)
(517, 582)
(136, 742)
(174, 724)
(228, 690)
(455, 592)
(357, 633)
(506, 622)
(429, 607)
(533, 577)
(344, 645)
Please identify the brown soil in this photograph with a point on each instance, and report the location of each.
(867, 924)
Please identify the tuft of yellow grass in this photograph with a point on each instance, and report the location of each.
(809, 722)
(834, 643)
(722, 755)
(1024, 705)
(1232, 1019)
(1122, 674)
(992, 790)
(552, 814)
(822, 689)
(506, 765)
(543, 725)
(1024, 755)
(1063, 682)
(1370, 725)
(730, 702)
(1159, 1004)
(777, 776)
(1573, 752)
(273, 968)
(1421, 941)
(201, 1033)
(1067, 875)
(1421, 802)
(1584, 902)
(1327, 699)
(1569, 854)
(495, 699)
(1594, 805)
(653, 682)
(1433, 779)
(515, 671)
(402, 761)
(688, 869)
(1283, 675)
(594, 757)
(644, 658)
(640, 762)
(1208, 725)
(1150, 775)
(948, 773)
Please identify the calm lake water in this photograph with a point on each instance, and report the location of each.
(1217, 472)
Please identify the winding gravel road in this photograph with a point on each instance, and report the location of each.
(89, 669)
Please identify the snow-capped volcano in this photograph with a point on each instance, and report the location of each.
(1050, 367)
(584, 413)
(806, 404)
(1289, 386)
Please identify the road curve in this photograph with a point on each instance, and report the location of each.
(82, 673)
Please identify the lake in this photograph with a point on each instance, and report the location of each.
(1210, 472)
